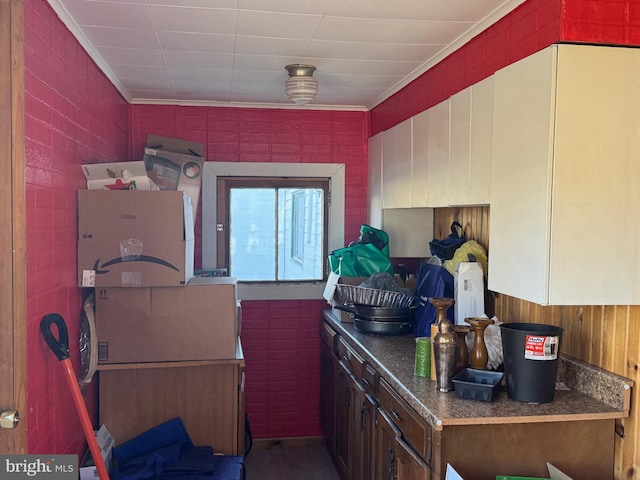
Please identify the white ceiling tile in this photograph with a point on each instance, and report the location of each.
(176, 59)
(109, 14)
(356, 29)
(311, 7)
(426, 31)
(277, 25)
(372, 51)
(197, 42)
(230, 4)
(132, 56)
(265, 62)
(194, 20)
(211, 75)
(269, 46)
(161, 74)
(122, 37)
(147, 83)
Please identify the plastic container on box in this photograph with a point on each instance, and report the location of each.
(482, 385)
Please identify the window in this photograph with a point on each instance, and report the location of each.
(272, 229)
(305, 231)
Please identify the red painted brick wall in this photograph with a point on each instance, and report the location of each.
(280, 338)
(73, 115)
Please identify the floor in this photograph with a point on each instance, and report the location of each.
(303, 462)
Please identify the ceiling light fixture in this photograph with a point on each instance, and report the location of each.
(301, 87)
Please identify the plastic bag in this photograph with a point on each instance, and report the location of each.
(445, 249)
(433, 280)
(369, 255)
(470, 247)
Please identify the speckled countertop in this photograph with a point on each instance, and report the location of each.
(592, 393)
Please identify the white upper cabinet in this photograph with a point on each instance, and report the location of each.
(375, 181)
(565, 188)
(396, 166)
(438, 158)
(420, 168)
(471, 129)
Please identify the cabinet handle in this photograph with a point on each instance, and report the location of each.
(365, 381)
(346, 359)
(396, 415)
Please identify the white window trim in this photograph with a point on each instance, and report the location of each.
(269, 291)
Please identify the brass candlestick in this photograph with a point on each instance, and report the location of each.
(463, 350)
(479, 355)
(442, 304)
(445, 345)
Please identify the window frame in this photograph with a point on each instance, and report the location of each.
(335, 172)
(227, 183)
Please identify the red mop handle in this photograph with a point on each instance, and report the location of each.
(60, 348)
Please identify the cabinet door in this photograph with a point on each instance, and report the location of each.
(343, 420)
(328, 363)
(409, 466)
(481, 142)
(460, 148)
(596, 178)
(375, 181)
(521, 177)
(166, 392)
(357, 437)
(565, 171)
(396, 166)
(385, 440)
(368, 437)
(471, 139)
(420, 159)
(438, 162)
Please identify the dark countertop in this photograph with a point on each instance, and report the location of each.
(592, 393)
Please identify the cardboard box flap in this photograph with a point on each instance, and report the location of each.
(158, 142)
(103, 175)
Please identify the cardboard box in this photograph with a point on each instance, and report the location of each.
(166, 324)
(175, 164)
(332, 298)
(118, 176)
(106, 442)
(130, 238)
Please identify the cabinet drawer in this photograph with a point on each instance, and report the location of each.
(349, 356)
(414, 429)
(328, 336)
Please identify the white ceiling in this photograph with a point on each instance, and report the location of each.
(234, 52)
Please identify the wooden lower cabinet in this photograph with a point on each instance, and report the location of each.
(364, 443)
(208, 396)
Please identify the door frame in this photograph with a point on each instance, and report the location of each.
(13, 315)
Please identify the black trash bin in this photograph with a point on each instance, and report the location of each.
(531, 360)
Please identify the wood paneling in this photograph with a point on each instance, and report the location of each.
(605, 336)
(13, 342)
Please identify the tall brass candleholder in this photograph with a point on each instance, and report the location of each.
(442, 304)
(463, 350)
(479, 357)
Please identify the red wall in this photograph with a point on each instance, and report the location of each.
(73, 116)
(280, 338)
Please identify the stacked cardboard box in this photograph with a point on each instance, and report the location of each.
(136, 248)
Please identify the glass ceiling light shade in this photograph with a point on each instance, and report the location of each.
(301, 87)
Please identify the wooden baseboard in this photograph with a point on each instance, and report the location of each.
(289, 442)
